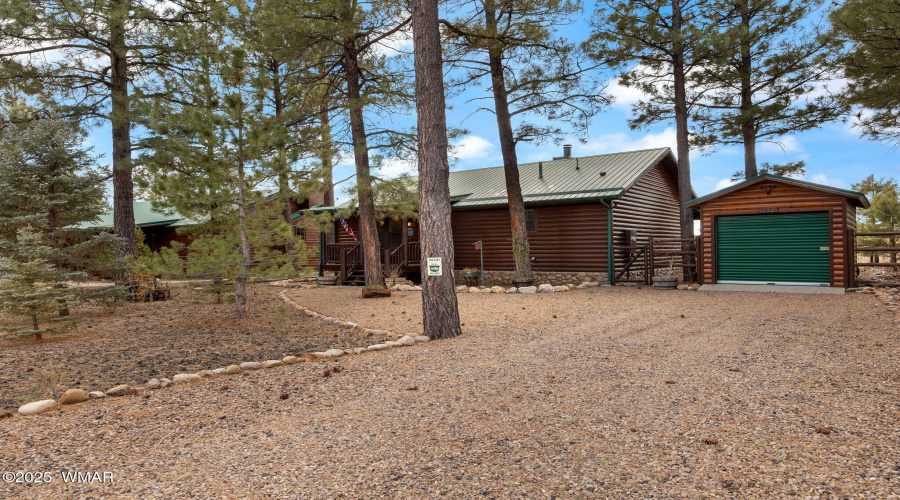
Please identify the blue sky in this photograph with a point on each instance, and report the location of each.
(834, 155)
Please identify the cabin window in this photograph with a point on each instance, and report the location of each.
(300, 231)
(531, 221)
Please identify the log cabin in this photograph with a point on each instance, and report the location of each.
(583, 216)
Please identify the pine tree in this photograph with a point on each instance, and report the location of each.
(883, 214)
(29, 287)
(764, 80)
(96, 58)
(440, 312)
(208, 161)
(660, 42)
(869, 27)
(344, 39)
(49, 183)
(515, 48)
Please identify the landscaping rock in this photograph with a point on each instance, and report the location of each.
(207, 373)
(186, 378)
(377, 347)
(512, 290)
(119, 390)
(351, 324)
(560, 288)
(74, 396)
(37, 407)
(404, 288)
(334, 353)
(290, 360)
(153, 383)
(251, 365)
(497, 289)
(462, 288)
(393, 343)
(308, 356)
(97, 394)
(233, 369)
(164, 382)
(485, 290)
(359, 350)
(407, 340)
(589, 284)
(272, 363)
(219, 371)
(546, 288)
(527, 289)
(422, 338)
(415, 288)
(474, 289)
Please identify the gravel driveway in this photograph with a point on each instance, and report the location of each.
(624, 393)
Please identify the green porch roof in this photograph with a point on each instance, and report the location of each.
(566, 179)
(860, 198)
(144, 216)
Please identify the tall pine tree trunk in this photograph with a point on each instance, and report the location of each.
(120, 118)
(748, 121)
(368, 229)
(682, 138)
(240, 283)
(521, 252)
(325, 155)
(284, 188)
(440, 312)
(34, 327)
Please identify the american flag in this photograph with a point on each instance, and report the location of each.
(347, 228)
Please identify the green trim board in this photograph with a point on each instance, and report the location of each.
(792, 248)
(861, 198)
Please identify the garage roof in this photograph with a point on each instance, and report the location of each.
(857, 198)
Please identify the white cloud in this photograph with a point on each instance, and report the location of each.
(620, 141)
(786, 144)
(391, 168)
(827, 181)
(397, 43)
(724, 183)
(471, 147)
(623, 97)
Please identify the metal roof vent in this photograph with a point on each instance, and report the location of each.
(602, 174)
(567, 150)
(540, 170)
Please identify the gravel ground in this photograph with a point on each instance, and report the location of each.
(611, 393)
(146, 340)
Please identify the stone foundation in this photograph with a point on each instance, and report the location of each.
(504, 278)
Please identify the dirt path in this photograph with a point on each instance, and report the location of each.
(617, 396)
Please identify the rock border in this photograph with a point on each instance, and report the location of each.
(78, 395)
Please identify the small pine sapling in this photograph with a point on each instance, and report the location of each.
(32, 288)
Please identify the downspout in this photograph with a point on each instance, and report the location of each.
(610, 270)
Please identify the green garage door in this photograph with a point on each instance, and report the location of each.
(773, 248)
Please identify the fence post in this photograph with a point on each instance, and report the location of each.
(343, 265)
(652, 270)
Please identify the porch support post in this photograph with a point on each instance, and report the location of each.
(405, 240)
(321, 253)
(610, 265)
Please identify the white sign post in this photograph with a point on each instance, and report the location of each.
(435, 268)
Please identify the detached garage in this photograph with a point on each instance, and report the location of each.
(778, 230)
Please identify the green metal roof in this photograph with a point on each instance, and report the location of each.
(569, 179)
(859, 197)
(601, 176)
(144, 215)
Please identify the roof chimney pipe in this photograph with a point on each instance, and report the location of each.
(540, 170)
(567, 150)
